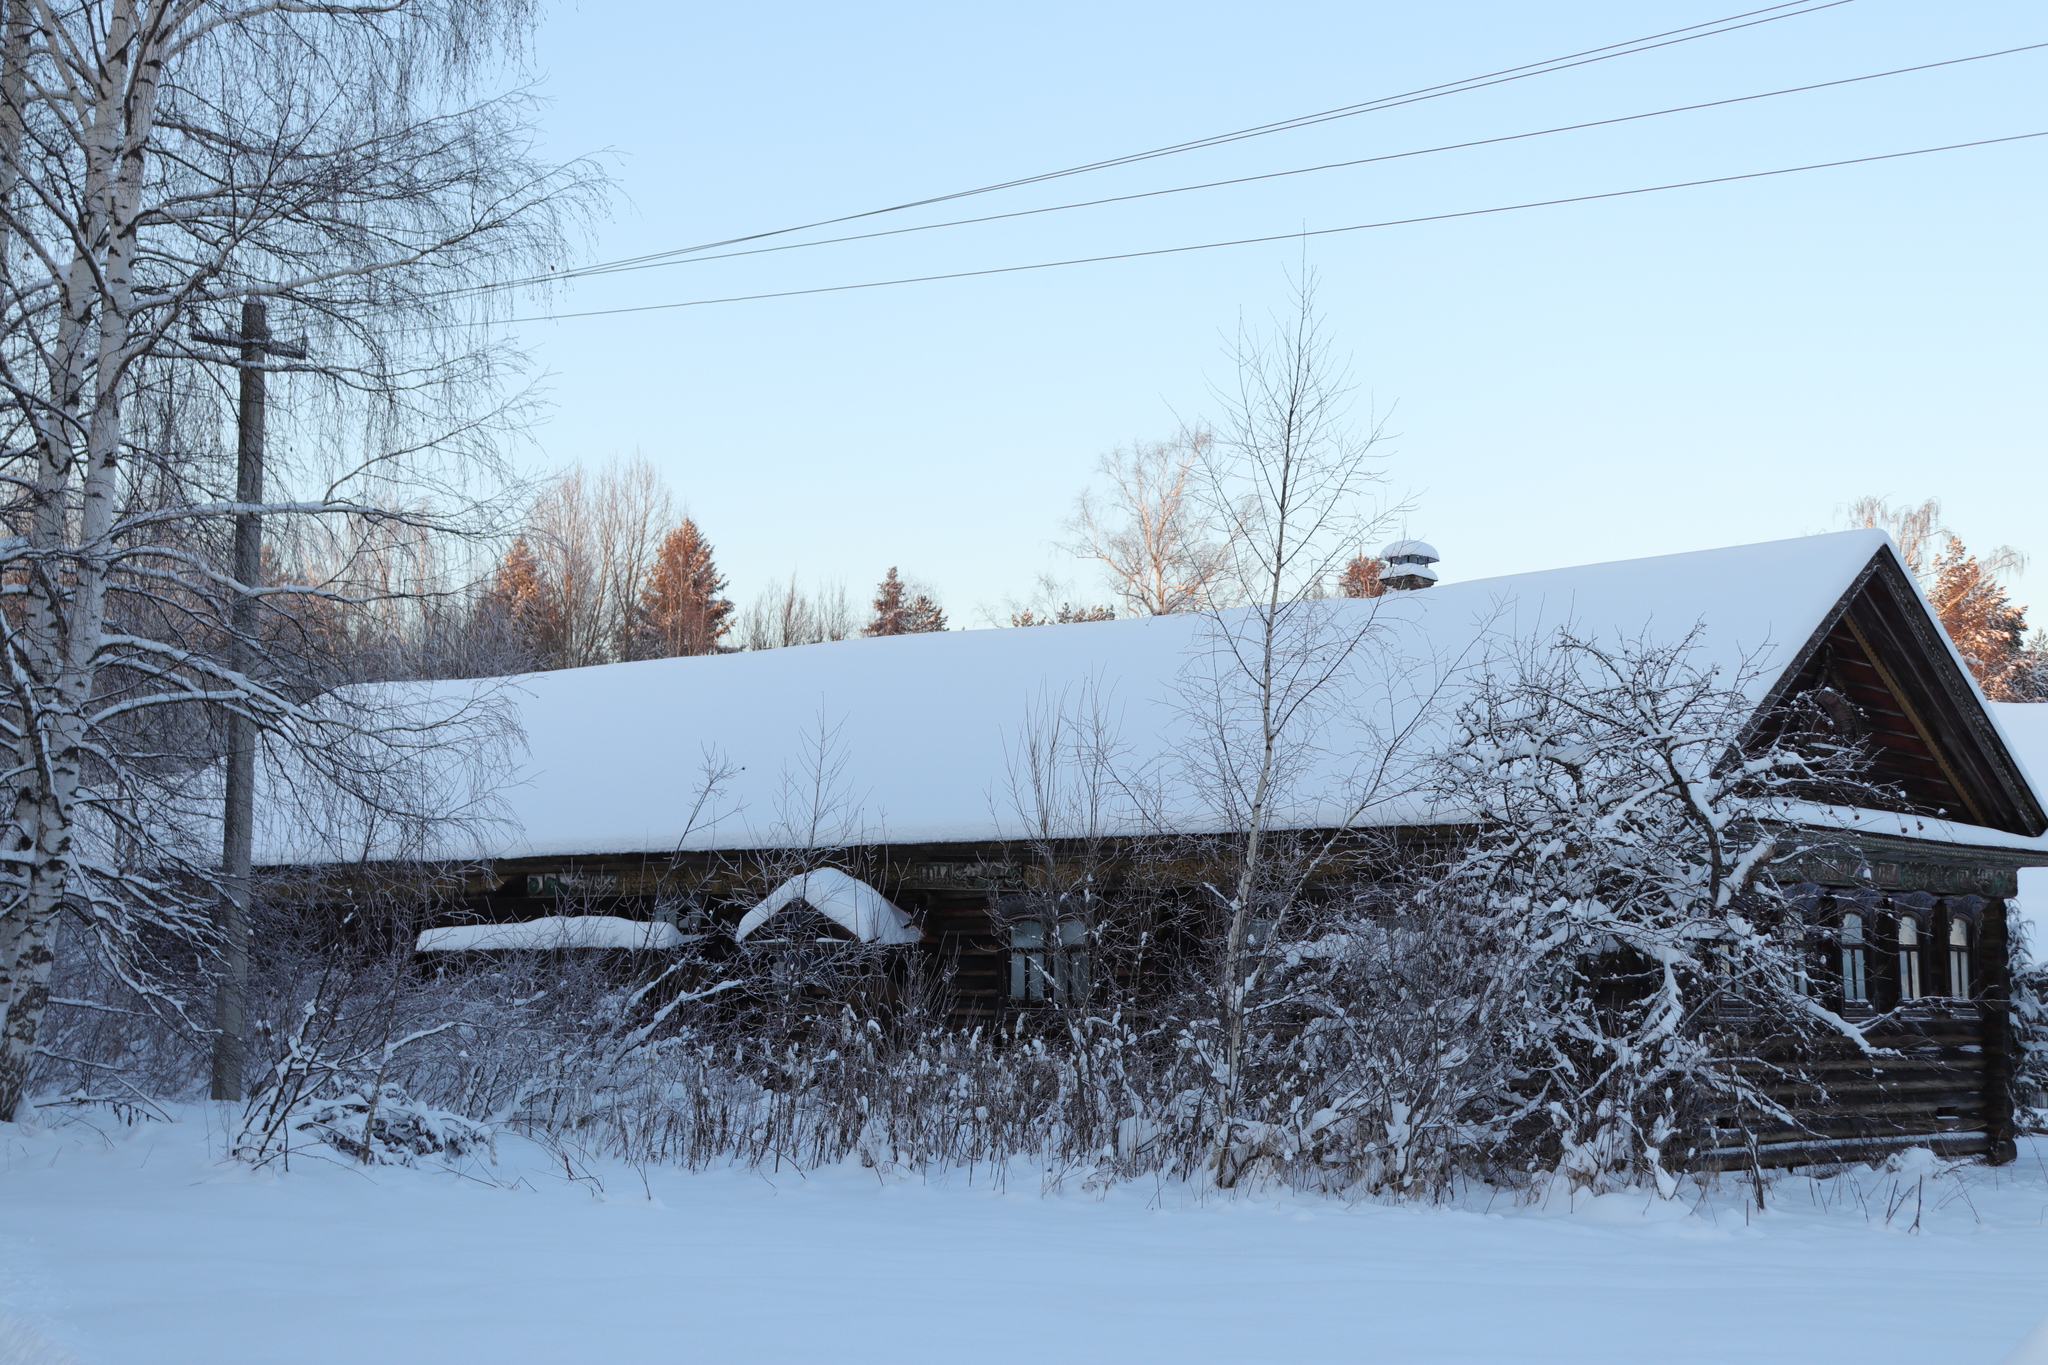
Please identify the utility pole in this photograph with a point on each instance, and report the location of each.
(238, 824)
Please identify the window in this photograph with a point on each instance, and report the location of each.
(1798, 939)
(1909, 959)
(1855, 976)
(1056, 972)
(1959, 957)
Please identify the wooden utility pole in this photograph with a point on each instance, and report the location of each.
(238, 823)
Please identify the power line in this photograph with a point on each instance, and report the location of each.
(1283, 236)
(1793, 9)
(653, 264)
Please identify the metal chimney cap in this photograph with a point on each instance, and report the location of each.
(1410, 552)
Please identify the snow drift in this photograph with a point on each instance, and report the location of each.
(552, 932)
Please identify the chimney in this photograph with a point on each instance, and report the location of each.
(1407, 565)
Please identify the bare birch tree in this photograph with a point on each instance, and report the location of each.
(1294, 477)
(784, 615)
(1164, 547)
(1913, 529)
(1968, 594)
(597, 537)
(162, 162)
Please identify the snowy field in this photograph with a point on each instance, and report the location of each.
(139, 1245)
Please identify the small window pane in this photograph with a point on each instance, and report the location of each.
(1959, 958)
(1037, 973)
(1027, 963)
(1855, 979)
(1909, 958)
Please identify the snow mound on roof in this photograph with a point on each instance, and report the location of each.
(847, 901)
(551, 933)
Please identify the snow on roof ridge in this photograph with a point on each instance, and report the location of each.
(1870, 537)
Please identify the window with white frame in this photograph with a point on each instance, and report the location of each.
(1959, 957)
(1909, 959)
(1055, 970)
(1855, 962)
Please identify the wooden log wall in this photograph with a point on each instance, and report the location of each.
(1938, 1084)
(1940, 1067)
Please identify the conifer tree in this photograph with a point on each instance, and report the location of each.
(525, 606)
(1361, 578)
(1968, 595)
(899, 611)
(681, 610)
(1989, 632)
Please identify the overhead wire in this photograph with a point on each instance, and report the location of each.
(1711, 28)
(1299, 234)
(654, 264)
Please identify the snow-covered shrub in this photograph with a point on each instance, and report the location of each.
(388, 1127)
(104, 1040)
(1385, 1047)
(2029, 1024)
(1626, 847)
(329, 1080)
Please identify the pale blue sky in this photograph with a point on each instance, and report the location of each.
(1668, 372)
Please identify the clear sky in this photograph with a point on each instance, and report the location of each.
(1604, 380)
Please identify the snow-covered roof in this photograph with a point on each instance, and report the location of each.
(552, 932)
(928, 738)
(847, 901)
(2025, 728)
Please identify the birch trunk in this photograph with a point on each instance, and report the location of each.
(306, 155)
(1289, 478)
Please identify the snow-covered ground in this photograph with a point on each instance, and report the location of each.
(141, 1246)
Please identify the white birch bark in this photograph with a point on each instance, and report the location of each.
(158, 160)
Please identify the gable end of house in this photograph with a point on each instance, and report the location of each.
(1882, 657)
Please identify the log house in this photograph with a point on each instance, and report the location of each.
(916, 739)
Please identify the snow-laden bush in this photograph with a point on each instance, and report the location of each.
(1625, 862)
(331, 1081)
(2029, 1022)
(1383, 1051)
(387, 1127)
